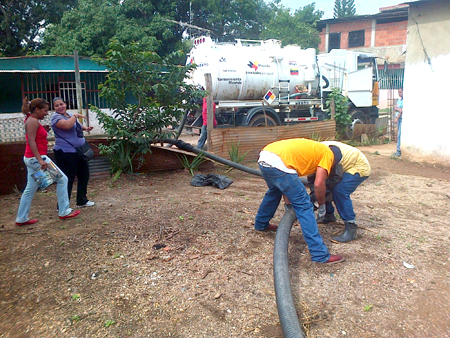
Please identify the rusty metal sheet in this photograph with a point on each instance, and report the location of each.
(254, 139)
(13, 175)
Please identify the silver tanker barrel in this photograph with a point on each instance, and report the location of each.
(246, 69)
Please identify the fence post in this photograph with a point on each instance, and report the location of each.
(210, 111)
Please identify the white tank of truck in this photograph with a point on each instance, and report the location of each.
(247, 69)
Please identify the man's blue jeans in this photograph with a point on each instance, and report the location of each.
(399, 135)
(203, 137)
(291, 186)
(341, 196)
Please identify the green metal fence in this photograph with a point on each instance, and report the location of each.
(392, 78)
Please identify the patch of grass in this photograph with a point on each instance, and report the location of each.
(194, 165)
(368, 308)
(315, 136)
(75, 318)
(76, 296)
(109, 322)
(117, 255)
(234, 152)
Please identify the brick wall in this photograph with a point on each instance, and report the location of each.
(386, 34)
(391, 34)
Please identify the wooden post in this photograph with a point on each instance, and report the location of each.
(210, 111)
(332, 109)
(78, 83)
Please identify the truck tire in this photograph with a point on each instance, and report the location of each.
(358, 117)
(260, 121)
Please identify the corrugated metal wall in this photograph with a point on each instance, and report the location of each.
(254, 139)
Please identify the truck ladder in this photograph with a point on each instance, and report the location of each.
(283, 92)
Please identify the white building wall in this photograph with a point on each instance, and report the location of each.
(426, 118)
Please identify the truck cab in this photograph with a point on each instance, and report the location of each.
(356, 74)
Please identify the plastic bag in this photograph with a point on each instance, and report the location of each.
(217, 181)
(45, 178)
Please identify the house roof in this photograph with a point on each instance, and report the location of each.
(47, 63)
(397, 12)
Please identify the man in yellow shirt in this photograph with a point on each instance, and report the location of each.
(282, 163)
(356, 169)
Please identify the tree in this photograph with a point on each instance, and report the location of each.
(344, 8)
(91, 26)
(94, 23)
(22, 23)
(226, 19)
(155, 86)
(299, 29)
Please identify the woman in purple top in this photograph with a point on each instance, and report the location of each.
(68, 135)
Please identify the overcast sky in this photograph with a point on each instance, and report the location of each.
(363, 7)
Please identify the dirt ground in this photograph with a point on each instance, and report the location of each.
(156, 257)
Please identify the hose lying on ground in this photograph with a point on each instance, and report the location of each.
(189, 147)
(285, 303)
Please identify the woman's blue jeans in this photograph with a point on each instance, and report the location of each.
(27, 196)
(291, 186)
(341, 196)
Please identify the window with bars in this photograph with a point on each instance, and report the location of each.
(356, 38)
(50, 85)
(392, 78)
(68, 91)
(334, 41)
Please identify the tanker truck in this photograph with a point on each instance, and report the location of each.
(356, 74)
(245, 72)
(257, 83)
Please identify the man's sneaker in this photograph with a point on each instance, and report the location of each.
(88, 204)
(328, 218)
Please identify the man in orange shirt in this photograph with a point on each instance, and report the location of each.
(282, 163)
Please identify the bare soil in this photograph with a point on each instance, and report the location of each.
(156, 257)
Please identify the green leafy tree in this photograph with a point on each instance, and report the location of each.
(344, 8)
(159, 97)
(226, 19)
(22, 23)
(299, 28)
(91, 26)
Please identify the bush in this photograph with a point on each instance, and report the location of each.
(147, 94)
(341, 116)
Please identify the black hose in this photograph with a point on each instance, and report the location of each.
(181, 126)
(189, 147)
(285, 302)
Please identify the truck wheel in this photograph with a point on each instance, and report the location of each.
(260, 121)
(358, 117)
